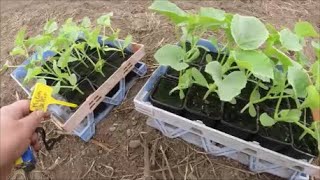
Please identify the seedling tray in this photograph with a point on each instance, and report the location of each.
(219, 143)
(76, 121)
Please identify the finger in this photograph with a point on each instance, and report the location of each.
(35, 142)
(21, 108)
(31, 122)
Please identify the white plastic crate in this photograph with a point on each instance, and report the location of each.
(258, 158)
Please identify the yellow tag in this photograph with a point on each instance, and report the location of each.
(41, 98)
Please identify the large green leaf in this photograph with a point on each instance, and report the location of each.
(214, 68)
(290, 40)
(171, 55)
(50, 27)
(105, 20)
(313, 98)
(256, 62)
(231, 85)
(299, 80)
(92, 38)
(248, 32)
(290, 115)
(169, 10)
(305, 29)
(266, 120)
(212, 14)
(199, 78)
(20, 37)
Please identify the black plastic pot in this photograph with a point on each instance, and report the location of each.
(209, 111)
(98, 79)
(76, 97)
(161, 98)
(277, 137)
(241, 125)
(305, 148)
(82, 71)
(116, 59)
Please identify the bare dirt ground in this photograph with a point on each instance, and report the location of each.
(108, 155)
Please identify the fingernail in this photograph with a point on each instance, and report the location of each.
(39, 113)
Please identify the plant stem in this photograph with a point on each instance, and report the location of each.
(51, 78)
(305, 128)
(80, 58)
(275, 116)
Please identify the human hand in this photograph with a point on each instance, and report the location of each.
(17, 132)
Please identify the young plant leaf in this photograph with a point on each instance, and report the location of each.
(279, 55)
(198, 77)
(72, 79)
(170, 10)
(255, 95)
(248, 32)
(316, 46)
(92, 38)
(56, 88)
(171, 55)
(105, 20)
(127, 41)
(20, 37)
(290, 115)
(299, 80)
(86, 22)
(212, 14)
(256, 62)
(231, 85)
(64, 59)
(302, 58)
(18, 51)
(252, 111)
(305, 29)
(208, 58)
(313, 98)
(266, 120)
(214, 68)
(42, 81)
(56, 68)
(315, 70)
(50, 27)
(32, 72)
(289, 40)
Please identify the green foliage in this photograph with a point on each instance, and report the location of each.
(305, 29)
(248, 32)
(289, 40)
(299, 80)
(169, 10)
(171, 55)
(70, 42)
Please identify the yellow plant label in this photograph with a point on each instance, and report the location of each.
(42, 98)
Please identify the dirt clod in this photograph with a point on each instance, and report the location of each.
(134, 144)
(129, 132)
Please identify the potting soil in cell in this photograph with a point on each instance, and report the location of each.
(82, 70)
(211, 107)
(98, 79)
(75, 96)
(279, 131)
(117, 58)
(162, 95)
(243, 120)
(307, 144)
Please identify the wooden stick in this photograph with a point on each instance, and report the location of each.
(167, 162)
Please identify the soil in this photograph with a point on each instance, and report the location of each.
(208, 110)
(160, 96)
(111, 156)
(280, 131)
(75, 96)
(98, 79)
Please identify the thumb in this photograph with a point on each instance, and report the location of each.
(31, 122)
